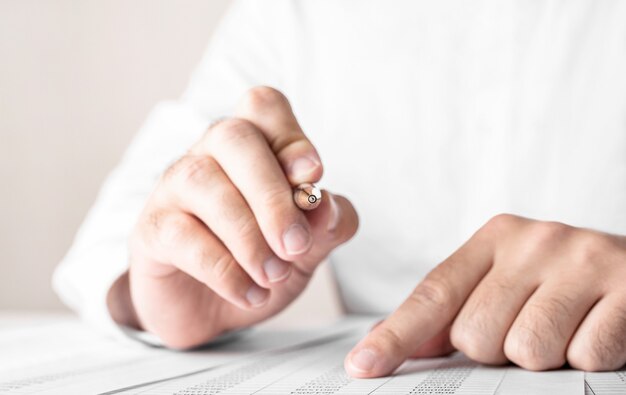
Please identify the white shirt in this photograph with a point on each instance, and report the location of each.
(431, 117)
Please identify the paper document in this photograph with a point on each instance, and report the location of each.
(317, 368)
(68, 358)
(605, 383)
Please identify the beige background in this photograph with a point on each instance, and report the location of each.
(77, 78)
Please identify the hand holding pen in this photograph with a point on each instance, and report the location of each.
(225, 241)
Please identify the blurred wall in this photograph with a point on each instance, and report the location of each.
(77, 78)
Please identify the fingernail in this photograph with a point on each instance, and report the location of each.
(276, 269)
(302, 167)
(364, 360)
(257, 296)
(335, 213)
(296, 239)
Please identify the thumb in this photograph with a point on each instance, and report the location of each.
(333, 222)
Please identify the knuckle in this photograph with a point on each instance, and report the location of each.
(254, 248)
(233, 130)
(233, 210)
(465, 340)
(171, 229)
(538, 239)
(260, 98)
(434, 294)
(505, 283)
(223, 271)
(471, 335)
(286, 144)
(198, 255)
(526, 347)
(596, 353)
(217, 123)
(171, 173)
(191, 170)
(277, 197)
(547, 235)
(479, 350)
(586, 358)
(246, 227)
(533, 343)
(500, 222)
(592, 250)
(601, 348)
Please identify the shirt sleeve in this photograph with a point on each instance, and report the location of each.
(241, 54)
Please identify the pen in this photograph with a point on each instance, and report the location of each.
(307, 196)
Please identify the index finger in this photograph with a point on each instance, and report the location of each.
(426, 312)
(270, 111)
